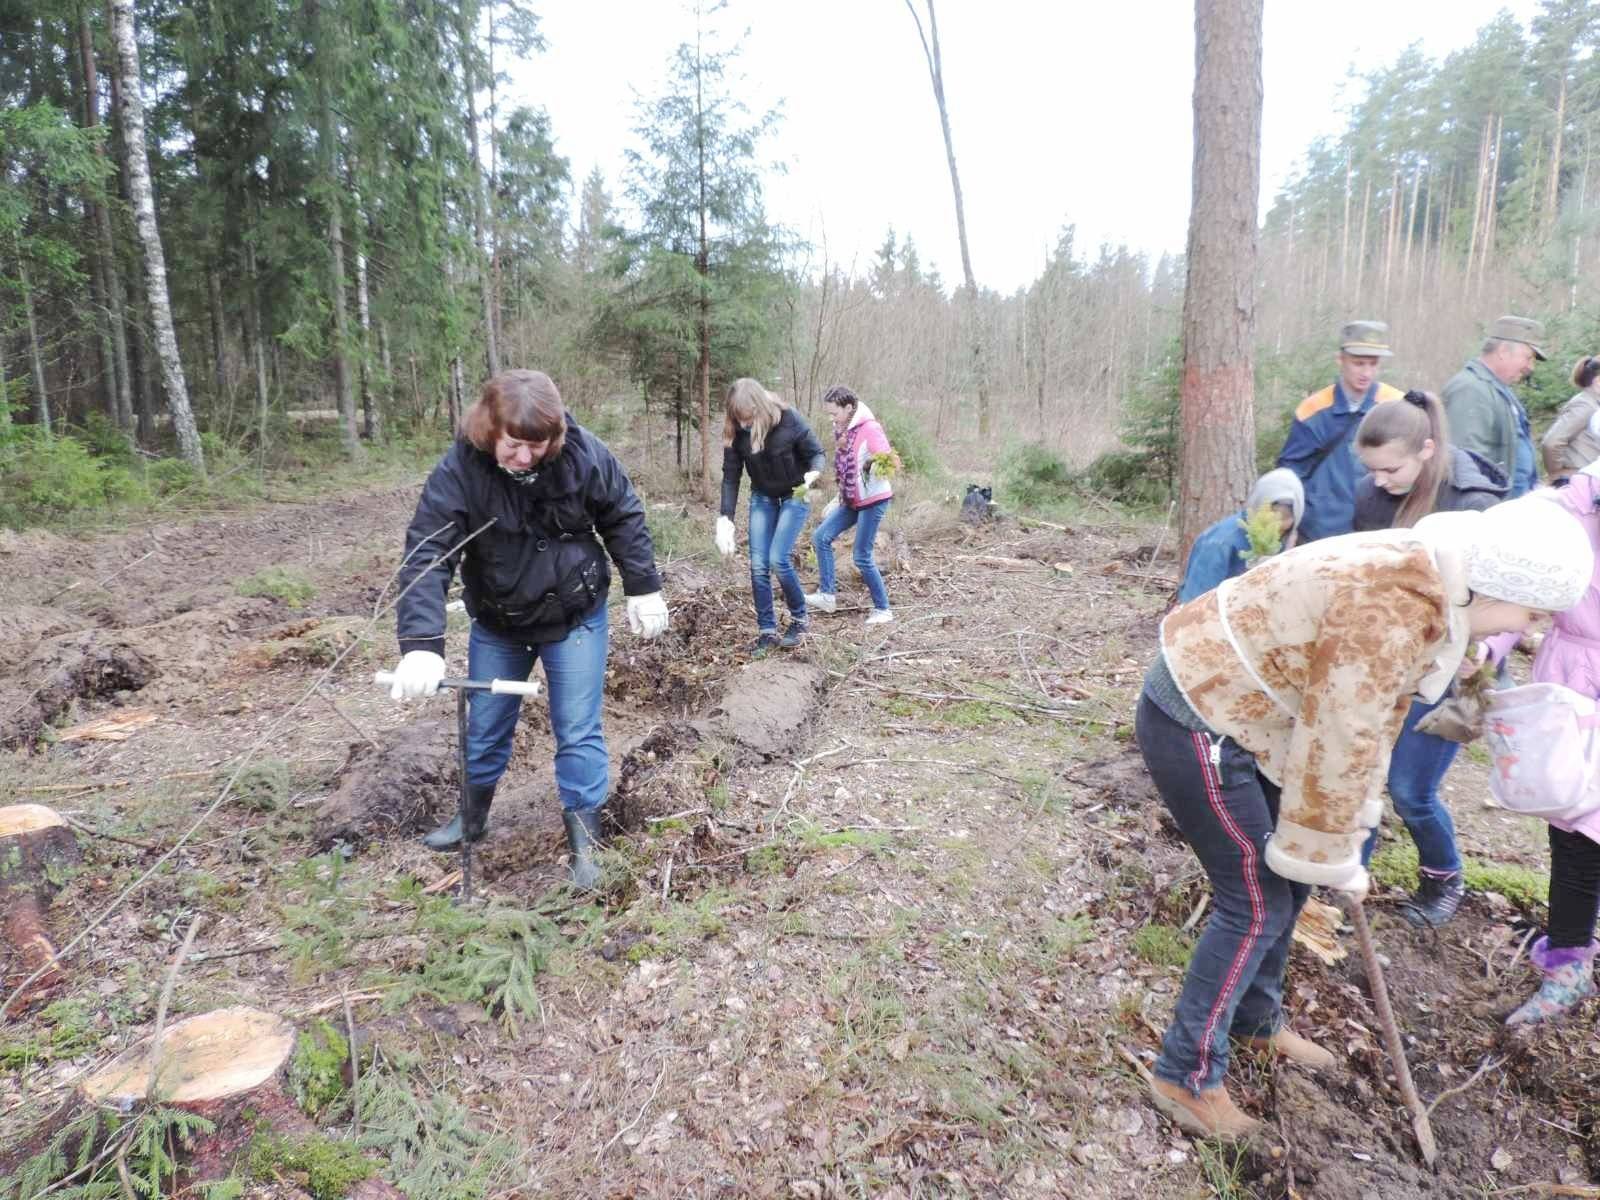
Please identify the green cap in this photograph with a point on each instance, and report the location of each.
(1365, 339)
(1520, 329)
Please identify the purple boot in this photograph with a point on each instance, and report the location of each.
(1568, 982)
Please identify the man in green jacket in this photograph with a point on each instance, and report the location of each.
(1486, 416)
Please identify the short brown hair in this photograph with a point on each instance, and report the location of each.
(523, 404)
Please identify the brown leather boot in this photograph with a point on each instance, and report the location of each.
(1210, 1114)
(1286, 1043)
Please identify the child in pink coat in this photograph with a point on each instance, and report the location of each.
(1569, 655)
(864, 496)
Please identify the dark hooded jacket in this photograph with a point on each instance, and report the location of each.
(1474, 484)
(539, 569)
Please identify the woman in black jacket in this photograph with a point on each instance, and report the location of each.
(530, 505)
(764, 436)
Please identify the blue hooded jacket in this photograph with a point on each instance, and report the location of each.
(1321, 451)
(1219, 552)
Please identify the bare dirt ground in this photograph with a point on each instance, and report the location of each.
(895, 915)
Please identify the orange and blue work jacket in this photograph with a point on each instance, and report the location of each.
(1321, 450)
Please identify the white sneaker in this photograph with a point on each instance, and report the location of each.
(880, 616)
(821, 601)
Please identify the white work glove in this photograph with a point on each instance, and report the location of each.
(647, 615)
(833, 507)
(724, 536)
(417, 674)
(811, 477)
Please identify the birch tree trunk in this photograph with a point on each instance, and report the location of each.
(144, 210)
(1218, 384)
(930, 51)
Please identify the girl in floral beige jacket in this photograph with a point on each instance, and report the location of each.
(1267, 721)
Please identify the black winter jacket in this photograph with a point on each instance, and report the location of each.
(540, 568)
(1475, 484)
(791, 449)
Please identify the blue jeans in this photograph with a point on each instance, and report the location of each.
(1225, 810)
(775, 527)
(575, 672)
(866, 520)
(1416, 769)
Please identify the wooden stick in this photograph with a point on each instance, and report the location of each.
(161, 1006)
(110, 837)
(1391, 1035)
(1488, 1064)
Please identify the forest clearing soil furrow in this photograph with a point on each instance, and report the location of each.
(900, 945)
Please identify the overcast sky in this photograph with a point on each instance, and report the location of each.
(1066, 112)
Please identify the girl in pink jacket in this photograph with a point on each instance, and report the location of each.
(1569, 655)
(864, 496)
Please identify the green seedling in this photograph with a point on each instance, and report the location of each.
(1264, 530)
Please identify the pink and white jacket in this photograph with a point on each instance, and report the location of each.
(1570, 652)
(859, 487)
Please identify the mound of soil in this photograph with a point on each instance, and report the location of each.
(397, 786)
(71, 667)
(768, 707)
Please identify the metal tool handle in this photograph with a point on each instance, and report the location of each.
(503, 687)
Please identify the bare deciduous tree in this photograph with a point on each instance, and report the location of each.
(930, 51)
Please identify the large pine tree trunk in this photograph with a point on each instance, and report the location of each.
(155, 263)
(930, 50)
(1217, 391)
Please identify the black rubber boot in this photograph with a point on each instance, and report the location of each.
(448, 835)
(792, 636)
(767, 641)
(1435, 901)
(583, 839)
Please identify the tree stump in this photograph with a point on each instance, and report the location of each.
(230, 1066)
(36, 845)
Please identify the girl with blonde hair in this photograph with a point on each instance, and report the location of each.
(768, 439)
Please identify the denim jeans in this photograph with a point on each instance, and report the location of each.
(775, 527)
(866, 520)
(1225, 809)
(1416, 769)
(575, 673)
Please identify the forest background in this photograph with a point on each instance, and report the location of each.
(357, 226)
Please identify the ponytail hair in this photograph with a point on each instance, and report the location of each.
(1584, 371)
(1413, 422)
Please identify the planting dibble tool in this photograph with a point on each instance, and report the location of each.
(501, 687)
(1391, 1034)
